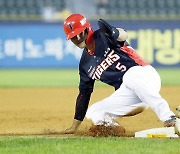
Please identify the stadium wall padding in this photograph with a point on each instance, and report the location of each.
(43, 45)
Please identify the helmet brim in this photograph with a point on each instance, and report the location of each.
(75, 32)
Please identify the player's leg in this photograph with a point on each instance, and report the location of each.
(123, 102)
(146, 84)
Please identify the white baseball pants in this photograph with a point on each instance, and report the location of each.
(140, 88)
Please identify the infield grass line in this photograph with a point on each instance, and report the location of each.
(10, 78)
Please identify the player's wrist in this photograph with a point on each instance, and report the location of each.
(76, 123)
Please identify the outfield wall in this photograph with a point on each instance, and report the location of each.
(43, 45)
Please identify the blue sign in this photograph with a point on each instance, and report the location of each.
(41, 45)
(36, 45)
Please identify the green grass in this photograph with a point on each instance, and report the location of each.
(88, 145)
(63, 78)
(170, 76)
(38, 78)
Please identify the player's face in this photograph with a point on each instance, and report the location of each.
(80, 40)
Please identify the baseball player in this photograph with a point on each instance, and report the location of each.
(109, 58)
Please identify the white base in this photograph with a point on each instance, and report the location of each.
(164, 132)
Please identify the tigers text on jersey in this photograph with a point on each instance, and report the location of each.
(108, 63)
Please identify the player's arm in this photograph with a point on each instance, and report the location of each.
(82, 102)
(115, 35)
(123, 36)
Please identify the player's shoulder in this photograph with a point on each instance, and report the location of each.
(100, 37)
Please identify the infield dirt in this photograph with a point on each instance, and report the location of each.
(46, 111)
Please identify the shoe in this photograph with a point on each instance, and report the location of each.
(170, 122)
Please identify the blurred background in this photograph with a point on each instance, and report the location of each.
(55, 10)
(31, 33)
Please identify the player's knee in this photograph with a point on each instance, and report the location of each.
(95, 114)
(93, 109)
(91, 112)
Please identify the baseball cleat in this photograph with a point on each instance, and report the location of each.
(170, 122)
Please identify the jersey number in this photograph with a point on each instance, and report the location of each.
(120, 67)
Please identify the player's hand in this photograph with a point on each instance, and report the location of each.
(69, 131)
(73, 128)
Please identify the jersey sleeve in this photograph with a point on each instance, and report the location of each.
(85, 89)
(121, 43)
(86, 84)
(82, 103)
(113, 41)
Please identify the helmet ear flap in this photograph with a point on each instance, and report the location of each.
(89, 35)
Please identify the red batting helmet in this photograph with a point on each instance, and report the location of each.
(75, 24)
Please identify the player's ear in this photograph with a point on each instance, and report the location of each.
(86, 31)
